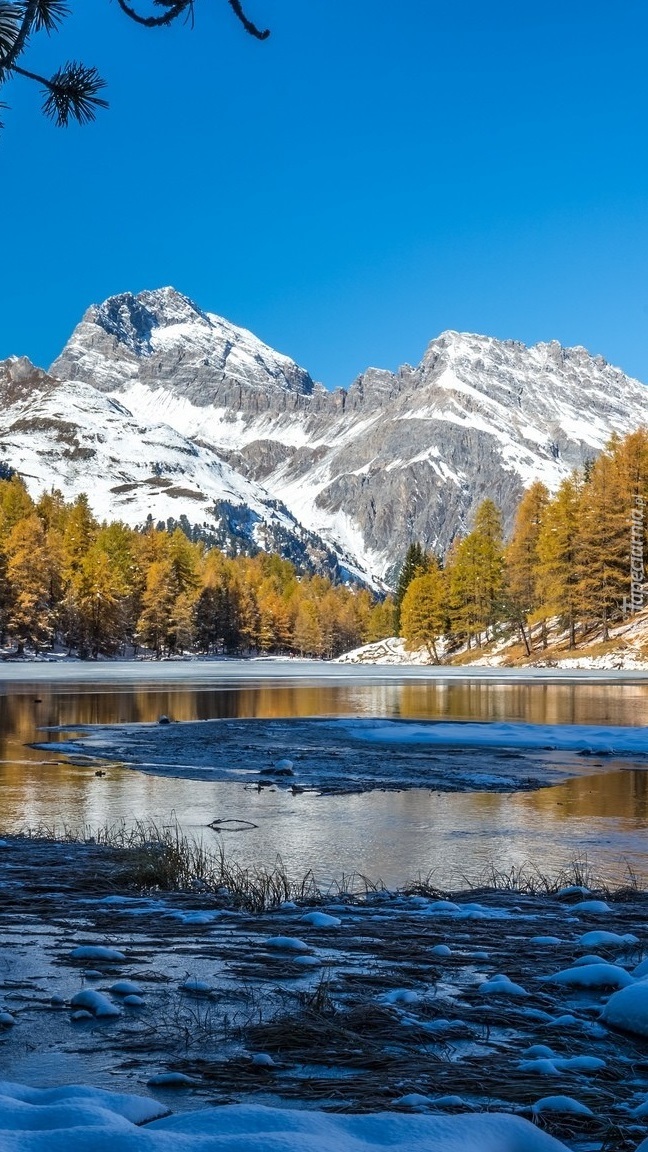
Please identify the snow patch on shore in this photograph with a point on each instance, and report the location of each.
(75, 1119)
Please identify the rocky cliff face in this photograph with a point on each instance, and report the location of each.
(397, 457)
(163, 340)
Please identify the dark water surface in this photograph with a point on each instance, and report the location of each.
(601, 815)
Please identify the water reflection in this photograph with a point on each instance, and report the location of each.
(602, 815)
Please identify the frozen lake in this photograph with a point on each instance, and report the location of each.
(597, 809)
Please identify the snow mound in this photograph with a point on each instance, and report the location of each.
(602, 938)
(321, 920)
(501, 986)
(628, 1009)
(563, 1104)
(98, 952)
(591, 976)
(95, 1002)
(592, 907)
(287, 944)
(76, 1119)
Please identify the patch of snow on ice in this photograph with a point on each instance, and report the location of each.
(591, 976)
(501, 986)
(95, 1002)
(98, 952)
(628, 1009)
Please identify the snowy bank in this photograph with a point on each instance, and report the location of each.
(76, 1119)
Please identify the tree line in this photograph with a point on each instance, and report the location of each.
(107, 589)
(569, 559)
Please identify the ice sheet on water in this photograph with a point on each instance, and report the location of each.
(338, 755)
(594, 738)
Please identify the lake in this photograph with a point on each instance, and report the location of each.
(600, 814)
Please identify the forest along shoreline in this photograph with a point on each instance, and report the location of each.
(568, 578)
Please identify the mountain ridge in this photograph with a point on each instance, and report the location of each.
(398, 456)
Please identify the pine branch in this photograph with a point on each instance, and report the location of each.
(9, 29)
(174, 10)
(237, 8)
(71, 93)
(24, 27)
(50, 14)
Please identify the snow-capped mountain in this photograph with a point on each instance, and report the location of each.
(397, 457)
(73, 437)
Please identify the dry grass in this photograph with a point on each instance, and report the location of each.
(161, 857)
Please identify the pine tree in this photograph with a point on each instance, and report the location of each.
(155, 626)
(522, 561)
(603, 542)
(380, 623)
(631, 461)
(424, 611)
(79, 531)
(30, 617)
(182, 622)
(15, 504)
(557, 579)
(97, 591)
(476, 576)
(307, 635)
(414, 564)
(71, 93)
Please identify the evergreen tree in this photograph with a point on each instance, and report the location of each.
(631, 461)
(155, 627)
(79, 531)
(71, 93)
(15, 504)
(307, 636)
(603, 543)
(424, 611)
(476, 576)
(380, 622)
(182, 622)
(97, 592)
(414, 564)
(557, 580)
(30, 617)
(522, 560)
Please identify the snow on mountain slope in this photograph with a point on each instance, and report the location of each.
(398, 457)
(162, 337)
(72, 437)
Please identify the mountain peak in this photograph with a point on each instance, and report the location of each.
(131, 319)
(162, 338)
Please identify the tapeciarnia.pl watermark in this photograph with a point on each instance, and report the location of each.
(637, 573)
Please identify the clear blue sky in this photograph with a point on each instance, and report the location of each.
(377, 171)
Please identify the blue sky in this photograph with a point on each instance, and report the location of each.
(376, 172)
